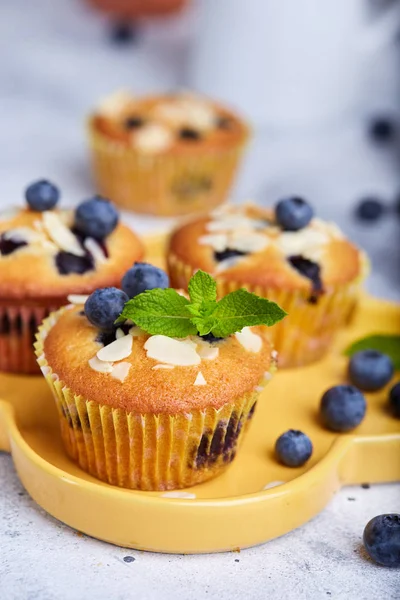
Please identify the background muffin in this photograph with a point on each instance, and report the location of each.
(151, 412)
(166, 155)
(311, 270)
(47, 254)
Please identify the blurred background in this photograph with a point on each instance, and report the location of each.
(319, 80)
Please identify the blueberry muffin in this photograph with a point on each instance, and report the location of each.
(45, 255)
(152, 411)
(284, 254)
(165, 155)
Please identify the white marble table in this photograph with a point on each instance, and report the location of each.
(56, 62)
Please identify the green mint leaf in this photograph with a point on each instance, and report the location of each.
(202, 287)
(243, 309)
(204, 324)
(388, 344)
(161, 312)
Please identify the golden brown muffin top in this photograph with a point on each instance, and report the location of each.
(144, 385)
(244, 244)
(35, 249)
(168, 123)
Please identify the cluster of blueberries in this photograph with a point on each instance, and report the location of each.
(342, 408)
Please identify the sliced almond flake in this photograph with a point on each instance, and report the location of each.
(100, 366)
(152, 138)
(156, 367)
(217, 241)
(38, 224)
(95, 250)
(24, 234)
(208, 352)
(171, 351)
(178, 494)
(77, 299)
(293, 243)
(200, 380)
(249, 340)
(61, 235)
(135, 331)
(221, 210)
(228, 263)
(112, 105)
(230, 222)
(249, 242)
(119, 333)
(120, 371)
(117, 350)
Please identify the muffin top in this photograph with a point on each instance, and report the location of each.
(168, 123)
(247, 244)
(154, 374)
(51, 253)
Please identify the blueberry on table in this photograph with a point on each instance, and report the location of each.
(370, 370)
(342, 408)
(42, 195)
(104, 306)
(382, 540)
(142, 277)
(96, 218)
(293, 213)
(293, 448)
(369, 209)
(382, 129)
(394, 400)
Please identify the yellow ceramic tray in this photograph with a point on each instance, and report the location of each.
(234, 510)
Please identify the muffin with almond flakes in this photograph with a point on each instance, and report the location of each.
(45, 255)
(165, 155)
(284, 254)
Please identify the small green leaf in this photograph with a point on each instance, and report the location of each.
(161, 312)
(243, 309)
(202, 287)
(388, 344)
(204, 324)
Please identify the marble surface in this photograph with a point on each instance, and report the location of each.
(56, 62)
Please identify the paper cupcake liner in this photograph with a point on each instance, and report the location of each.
(129, 9)
(308, 331)
(18, 326)
(163, 184)
(146, 451)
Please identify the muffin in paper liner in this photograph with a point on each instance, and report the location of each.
(147, 451)
(306, 334)
(166, 184)
(18, 326)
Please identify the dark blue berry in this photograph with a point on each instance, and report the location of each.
(124, 33)
(42, 195)
(342, 408)
(104, 306)
(228, 253)
(293, 214)
(68, 263)
(293, 448)
(370, 370)
(370, 209)
(312, 271)
(394, 400)
(133, 122)
(187, 133)
(382, 540)
(382, 129)
(8, 246)
(96, 218)
(142, 277)
(209, 337)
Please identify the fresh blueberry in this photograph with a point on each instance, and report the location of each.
(394, 400)
(8, 246)
(370, 370)
(142, 277)
(209, 337)
(312, 271)
(104, 306)
(293, 448)
(293, 213)
(42, 195)
(96, 218)
(186, 133)
(68, 263)
(370, 209)
(382, 129)
(133, 122)
(382, 540)
(342, 408)
(228, 253)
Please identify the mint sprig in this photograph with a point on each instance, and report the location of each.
(387, 344)
(165, 312)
